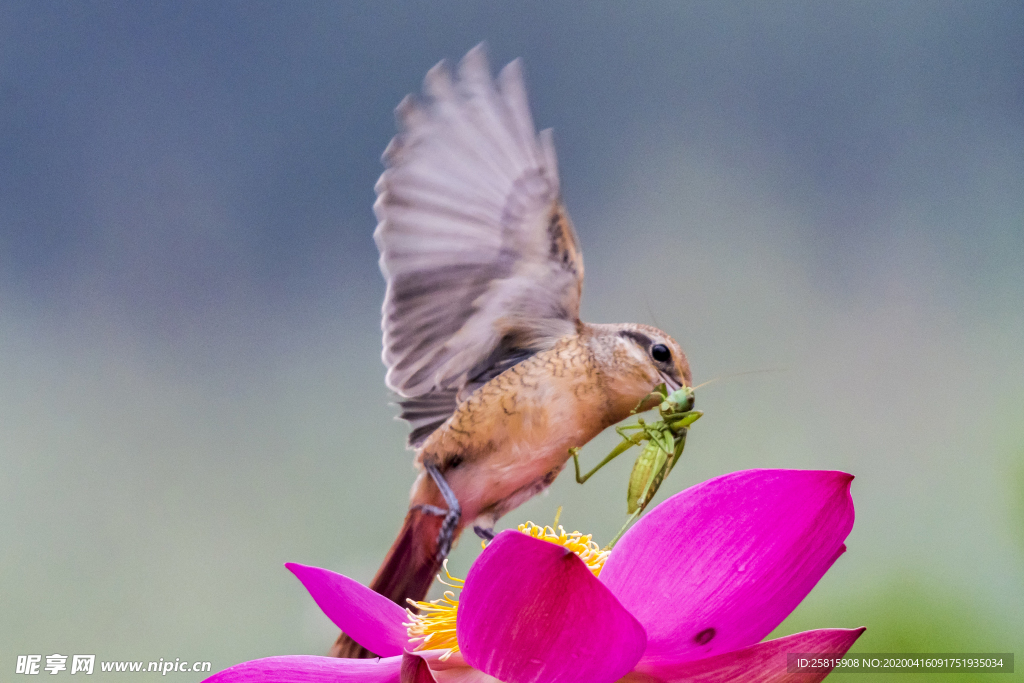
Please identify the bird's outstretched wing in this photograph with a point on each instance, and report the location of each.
(482, 263)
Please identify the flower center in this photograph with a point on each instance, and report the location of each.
(434, 627)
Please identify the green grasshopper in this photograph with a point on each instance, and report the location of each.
(665, 441)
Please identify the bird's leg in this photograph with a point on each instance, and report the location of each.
(483, 526)
(431, 509)
(627, 443)
(451, 516)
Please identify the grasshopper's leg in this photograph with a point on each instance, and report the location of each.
(660, 392)
(678, 421)
(627, 443)
(656, 475)
(632, 518)
(635, 438)
(676, 452)
(452, 515)
(661, 460)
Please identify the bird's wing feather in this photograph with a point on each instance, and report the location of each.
(480, 258)
(428, 412)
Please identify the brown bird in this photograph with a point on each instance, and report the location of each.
(482, 336)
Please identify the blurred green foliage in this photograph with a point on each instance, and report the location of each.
(1017, 505)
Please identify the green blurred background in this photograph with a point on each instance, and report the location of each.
(190, 385)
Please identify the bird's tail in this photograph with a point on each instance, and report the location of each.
(406, 574)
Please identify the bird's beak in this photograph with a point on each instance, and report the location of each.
(670, 383)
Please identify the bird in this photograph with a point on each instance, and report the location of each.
(495, 372)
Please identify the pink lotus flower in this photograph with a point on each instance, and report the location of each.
(686, 595)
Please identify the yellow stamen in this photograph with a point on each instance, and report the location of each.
(577, 542)
(434, 627)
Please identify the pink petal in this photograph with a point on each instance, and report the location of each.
(434, 659)
(453, 669)
(308, 669)
(367, 617)
(761, 663)
(465, 674)
(718, 566)
(532, 611)
(415, 669)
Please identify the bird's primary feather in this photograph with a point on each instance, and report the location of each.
(482, 263)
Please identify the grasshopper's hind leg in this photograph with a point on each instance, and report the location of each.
(627, 443)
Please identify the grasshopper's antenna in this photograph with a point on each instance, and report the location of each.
(739, 374)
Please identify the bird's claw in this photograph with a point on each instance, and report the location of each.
(431, 510)
(446, 536)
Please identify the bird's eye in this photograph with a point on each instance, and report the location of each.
(660, 353)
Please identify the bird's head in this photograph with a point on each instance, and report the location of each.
(634, 359)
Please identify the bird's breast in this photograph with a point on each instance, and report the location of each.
(518, 427)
